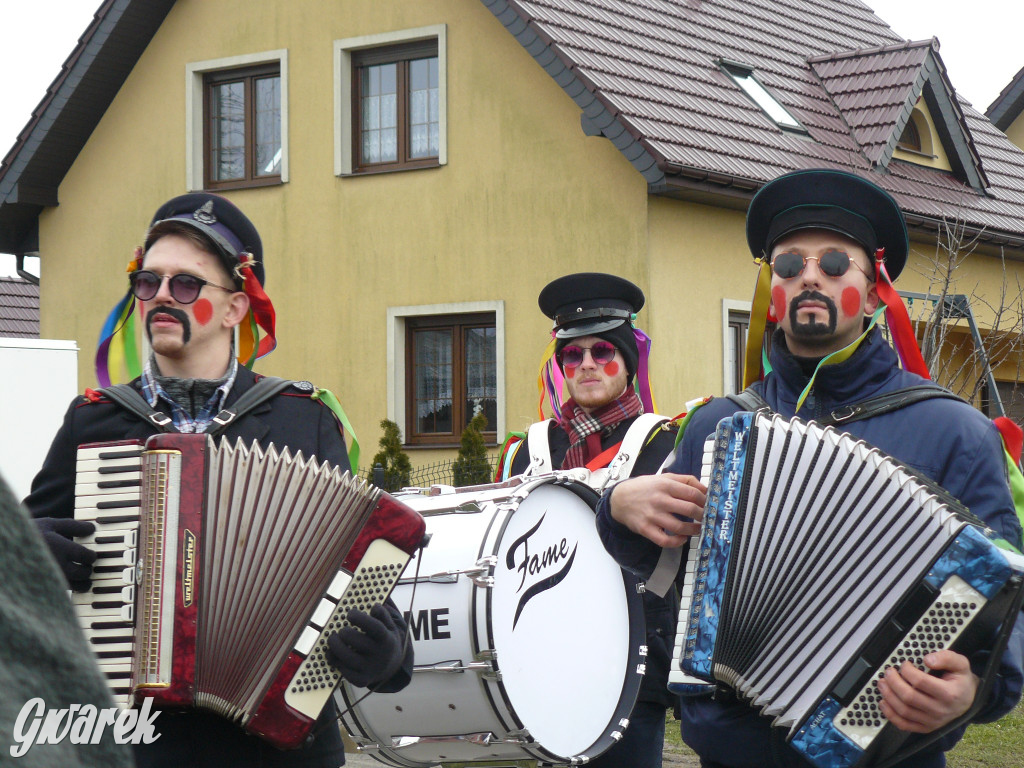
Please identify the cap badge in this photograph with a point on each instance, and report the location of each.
(204, 214)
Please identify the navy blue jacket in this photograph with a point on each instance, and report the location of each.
(290, 419)
(946, 440)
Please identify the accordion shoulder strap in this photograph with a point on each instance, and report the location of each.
(129, 399)
(884, 403)
(262, 390)
(751, 400)
(126, 396)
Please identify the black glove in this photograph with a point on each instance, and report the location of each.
(74, 559)
(371, 656)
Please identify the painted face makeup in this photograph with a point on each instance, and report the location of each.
(779, 302)
(850, 301)
(203, 311)
(611, 369)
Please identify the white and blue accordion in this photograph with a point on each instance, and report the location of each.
(821, 563)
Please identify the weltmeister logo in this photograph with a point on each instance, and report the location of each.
(188, 578)
(545, 566)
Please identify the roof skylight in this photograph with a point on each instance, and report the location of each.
(744, 77)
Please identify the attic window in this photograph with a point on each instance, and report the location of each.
(910, 139)
(744, 78)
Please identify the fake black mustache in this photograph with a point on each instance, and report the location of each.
(177, 314)
(830, 305)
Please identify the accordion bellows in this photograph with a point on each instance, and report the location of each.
(821, 563)
(246, 561)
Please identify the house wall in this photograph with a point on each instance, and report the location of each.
(699, 258)
(524, 198)
(1015, 131)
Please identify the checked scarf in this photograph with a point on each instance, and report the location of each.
(585, 429)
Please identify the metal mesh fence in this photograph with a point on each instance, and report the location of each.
(437, 473)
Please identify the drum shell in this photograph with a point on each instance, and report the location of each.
(460, 621)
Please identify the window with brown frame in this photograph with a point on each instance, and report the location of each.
(451, 375)
(242, 127)
(395, 110)
(1011, 394)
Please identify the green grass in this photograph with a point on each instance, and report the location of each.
(992, 745)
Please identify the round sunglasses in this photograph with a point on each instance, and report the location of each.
(184, 287)
(571, 356)
(832, 263)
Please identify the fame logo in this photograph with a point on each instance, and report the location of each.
(188, 577)
(545, 567)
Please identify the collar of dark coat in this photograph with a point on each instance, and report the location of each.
(249, 428)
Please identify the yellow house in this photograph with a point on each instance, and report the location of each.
(419, 170)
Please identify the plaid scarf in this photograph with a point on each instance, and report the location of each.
(585, 430)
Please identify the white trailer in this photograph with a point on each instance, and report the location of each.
(38, 379)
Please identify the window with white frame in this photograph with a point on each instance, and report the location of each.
(445, 365)
(237, 121)
(391, 101)
(735, 326)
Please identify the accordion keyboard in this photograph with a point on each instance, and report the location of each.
(107, 488)
(679, 681)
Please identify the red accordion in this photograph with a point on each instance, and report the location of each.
(222, 569)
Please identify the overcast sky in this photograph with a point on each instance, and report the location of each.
(979, 46)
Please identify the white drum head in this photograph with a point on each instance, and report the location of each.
(560, 622)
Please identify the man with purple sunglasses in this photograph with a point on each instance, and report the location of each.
(599, 352)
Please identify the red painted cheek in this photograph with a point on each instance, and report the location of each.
(570, 373)
(851, 301)
(203, 311)
(611, 369)
(779, 301)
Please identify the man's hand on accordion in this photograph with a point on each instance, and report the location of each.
(371, 651)
(75, 560)
(920, 702)
(666, 508)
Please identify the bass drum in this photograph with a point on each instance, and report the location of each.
(528, 637)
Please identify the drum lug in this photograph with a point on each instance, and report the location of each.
(481, 575)
(487, 654)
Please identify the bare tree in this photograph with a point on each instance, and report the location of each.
(948, 319)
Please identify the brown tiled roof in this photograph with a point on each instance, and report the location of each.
(647, 74)
(19, 308)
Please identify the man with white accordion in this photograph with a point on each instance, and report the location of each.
(833, 242)
(605, 427)
(198, 276)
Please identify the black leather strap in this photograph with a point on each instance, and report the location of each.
(750, 400)
(126, 396)
(129, 399)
